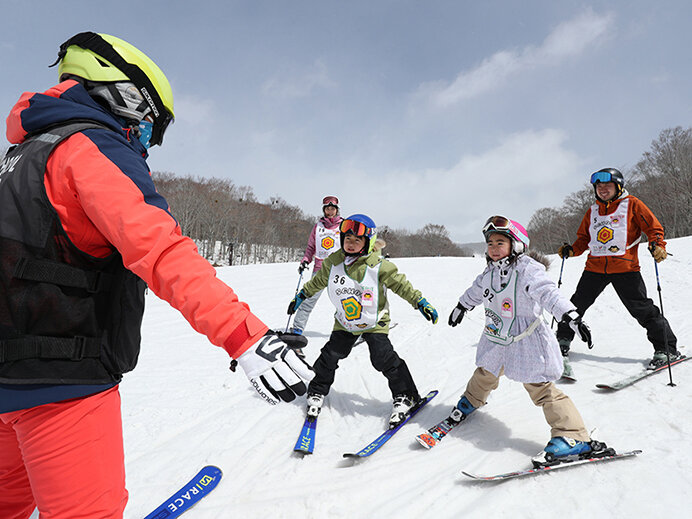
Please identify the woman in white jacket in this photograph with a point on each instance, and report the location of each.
(516, 341)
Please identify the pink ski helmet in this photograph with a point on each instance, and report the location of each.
(514, 230)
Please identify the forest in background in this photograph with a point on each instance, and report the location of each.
(230, 225)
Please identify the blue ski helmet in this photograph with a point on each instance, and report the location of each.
(359, 225)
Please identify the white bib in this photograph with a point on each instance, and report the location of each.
(500, 311)
(609, 232)
(326, 241)
(355, 302)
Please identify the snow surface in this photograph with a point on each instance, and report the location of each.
(183, 408)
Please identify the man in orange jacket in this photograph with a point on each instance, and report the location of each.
(83, 232)
(611, 229)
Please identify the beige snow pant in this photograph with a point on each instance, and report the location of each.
(560, 412)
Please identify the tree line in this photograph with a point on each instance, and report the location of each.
(230, 225)
(662, 179)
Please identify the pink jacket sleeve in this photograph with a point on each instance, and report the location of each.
(310, 249)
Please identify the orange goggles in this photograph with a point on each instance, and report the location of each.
(354, 227)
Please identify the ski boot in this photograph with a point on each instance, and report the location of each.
(661, 359)
(402, 404)
(314, 401)
(435, 434)
(564, 450)
(458, 415)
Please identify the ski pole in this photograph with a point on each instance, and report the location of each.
(288, 323)
(665, 326)
(559, 284)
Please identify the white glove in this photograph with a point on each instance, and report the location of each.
(274, 369)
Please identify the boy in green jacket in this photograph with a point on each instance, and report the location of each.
(357, 278)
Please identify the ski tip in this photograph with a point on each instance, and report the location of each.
(214, 470)
(426, 440)
(350, 455)
(605, 386)
(302, 451)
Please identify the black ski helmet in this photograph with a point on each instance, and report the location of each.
(608, 175)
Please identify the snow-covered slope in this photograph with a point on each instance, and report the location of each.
(183, 408)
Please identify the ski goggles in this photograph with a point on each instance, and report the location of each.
(504, 225)
(497, 223)
(355, 228)
(330, 200)
(601, 176)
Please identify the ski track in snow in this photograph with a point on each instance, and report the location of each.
(183, 408)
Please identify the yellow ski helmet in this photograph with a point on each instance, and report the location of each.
(102, 58)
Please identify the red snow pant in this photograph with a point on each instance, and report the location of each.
(65, 458)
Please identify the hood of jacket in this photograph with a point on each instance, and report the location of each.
(67, 101)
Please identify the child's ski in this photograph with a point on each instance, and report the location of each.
(636, 378)
(198, 487)
(361, 338)
(435, 434)
(306, 440)
(385, 436)
(528, 472)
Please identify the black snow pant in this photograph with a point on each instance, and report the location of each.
(631, 290)
(382, 356)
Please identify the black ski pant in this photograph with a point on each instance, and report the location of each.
(630, 288)
(382, 356)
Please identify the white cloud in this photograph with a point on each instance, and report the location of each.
(193, 110)
(523, 173)
(293, 84)
(566, 40)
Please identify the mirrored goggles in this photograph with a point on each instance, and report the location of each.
(330, 200)
(354, 227)
(497, 223)
(601, 176)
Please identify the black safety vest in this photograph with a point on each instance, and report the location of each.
(66, 317)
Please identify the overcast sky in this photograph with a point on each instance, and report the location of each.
(412, 112)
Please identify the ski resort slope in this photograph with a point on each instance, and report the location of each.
(183, 408)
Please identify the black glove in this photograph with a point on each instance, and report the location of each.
(303, 265)
(457, 315)
(295, 302)
(565, 251)
(573, 320)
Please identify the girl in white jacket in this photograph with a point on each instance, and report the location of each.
(516, 341)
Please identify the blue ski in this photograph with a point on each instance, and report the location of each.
(385, 436)
(306, 440)
(194, 490)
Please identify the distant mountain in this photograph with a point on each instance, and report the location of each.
(477, 247)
